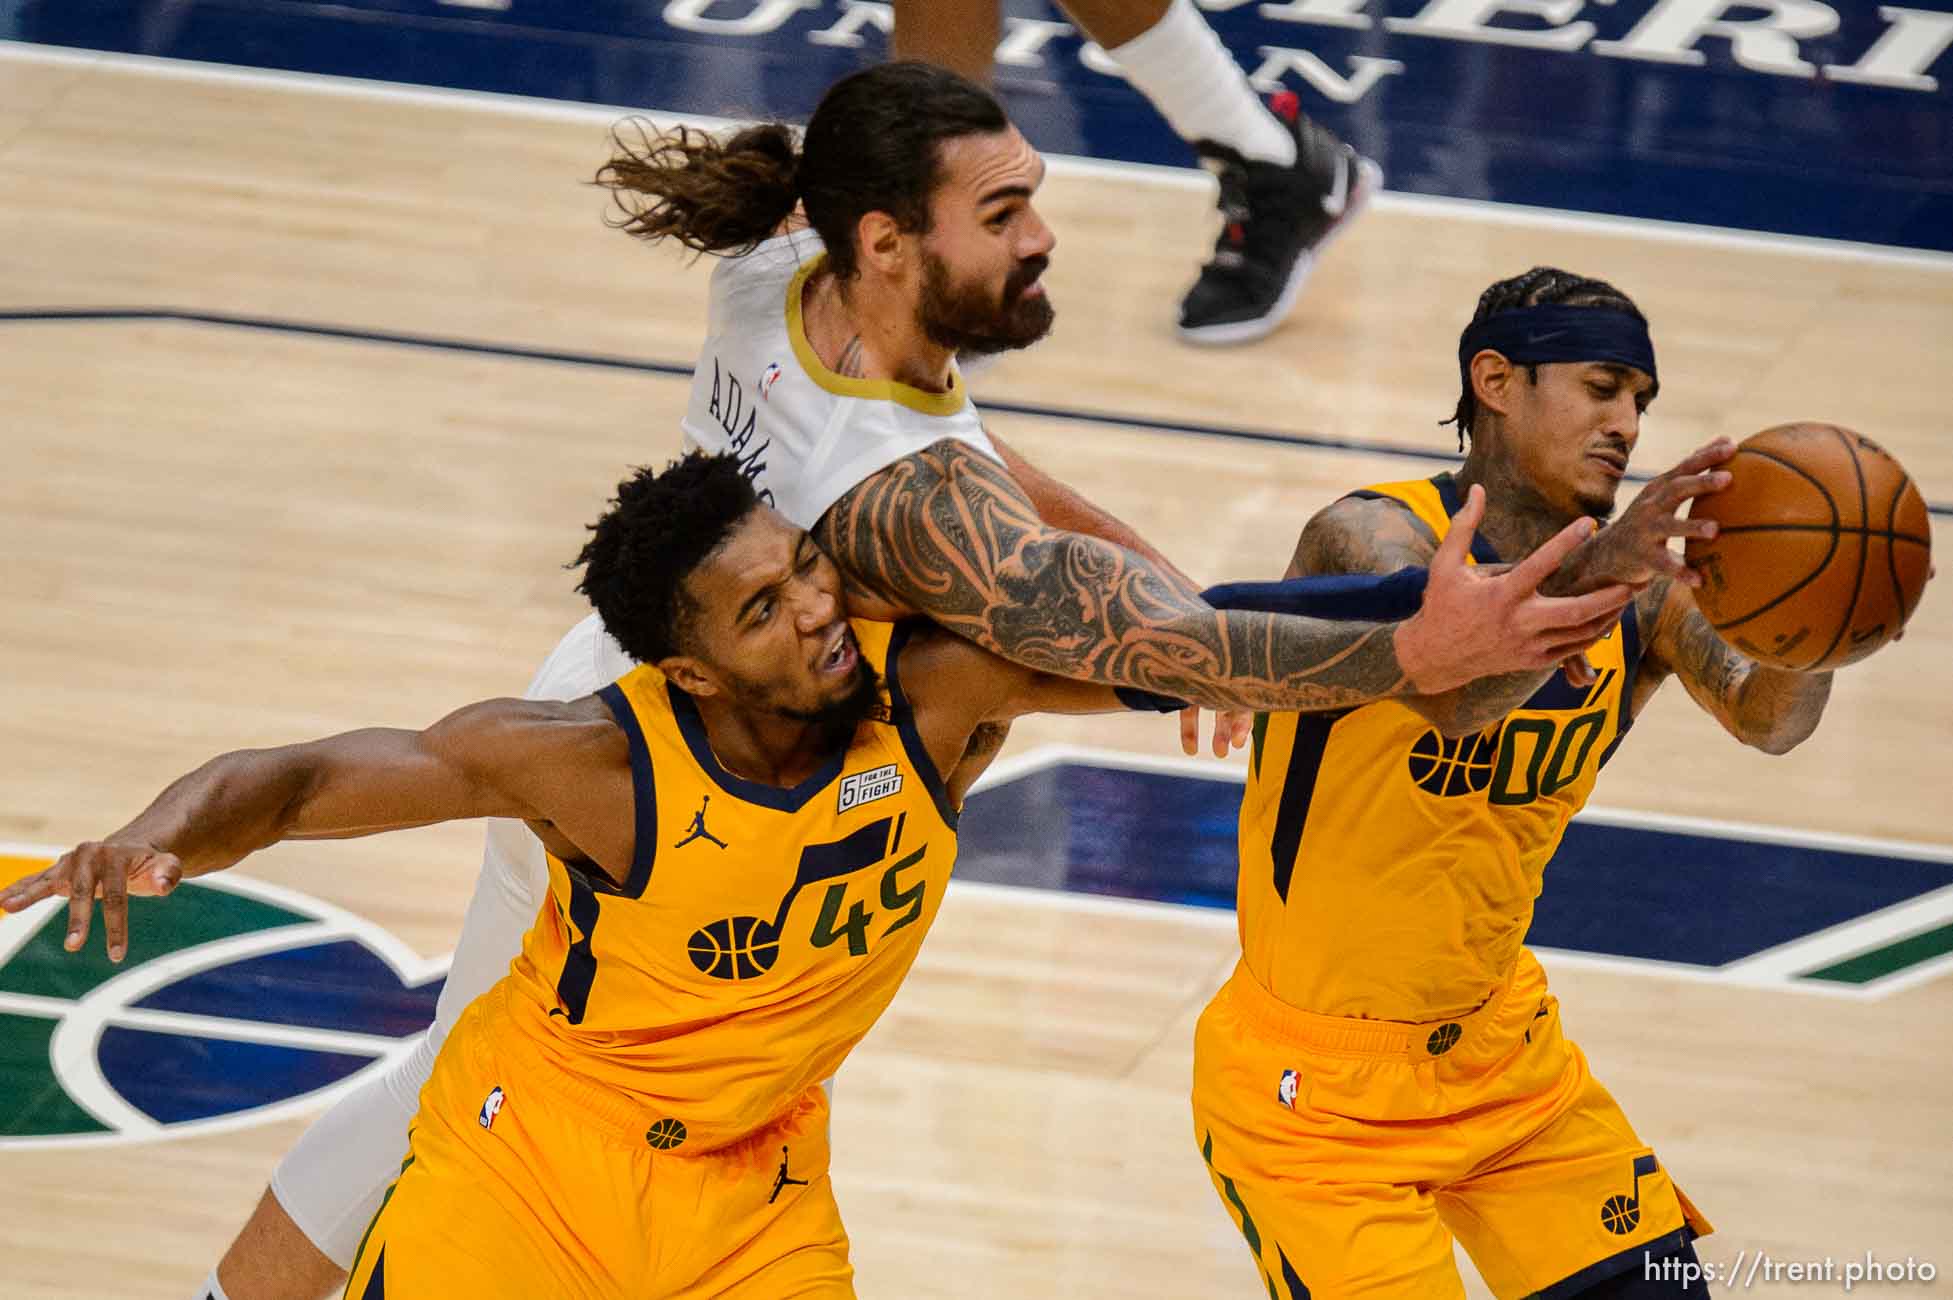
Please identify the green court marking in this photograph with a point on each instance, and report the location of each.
(192, 915)
(1893, 957)
(37, 1104)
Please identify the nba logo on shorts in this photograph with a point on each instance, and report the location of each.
(490, 1108)
(1291, 1081)
(769, 377)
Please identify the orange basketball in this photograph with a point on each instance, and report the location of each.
(1823, 549)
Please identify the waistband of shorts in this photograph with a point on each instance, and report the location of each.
(620, 1117)
(1357, 1036)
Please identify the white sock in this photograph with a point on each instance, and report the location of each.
(212, 1289)
(1200, 90)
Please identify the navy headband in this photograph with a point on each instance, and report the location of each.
(1529, 336)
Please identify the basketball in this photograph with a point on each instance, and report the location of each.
(1822, 551)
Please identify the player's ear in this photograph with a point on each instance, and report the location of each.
(1492, 380)
(881, 243)
(689, 675)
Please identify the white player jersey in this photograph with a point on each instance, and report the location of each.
(804, 434)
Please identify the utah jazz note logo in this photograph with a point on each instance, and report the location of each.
(1621, 1215)
(239, 1002)
(745, 947)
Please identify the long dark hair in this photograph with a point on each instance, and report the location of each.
(872, 146)
(1543, 286)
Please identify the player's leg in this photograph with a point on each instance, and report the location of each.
(1327, 1204)
(300, 1239)
(271, 1256)
(1575, 1200)
(756, 1221)
(1288, 185)
(960, 35)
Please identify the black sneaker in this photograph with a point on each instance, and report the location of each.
(1275, 221)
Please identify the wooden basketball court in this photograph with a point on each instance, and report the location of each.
(224, 530)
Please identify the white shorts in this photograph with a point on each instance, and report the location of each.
(331, 1181)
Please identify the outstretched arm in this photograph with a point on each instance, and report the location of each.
(946, 531)
(501, 758)
(1767, 708)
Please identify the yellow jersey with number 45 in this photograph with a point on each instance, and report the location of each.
(1389, 872)
(761, 931)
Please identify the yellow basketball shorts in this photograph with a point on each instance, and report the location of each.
(1349, 1152)
(523, 1181)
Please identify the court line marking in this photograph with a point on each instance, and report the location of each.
(1060, 164)
(674, 370)
(1775, 968)
(237, 1030)
(83, 1019)
(1234, 769)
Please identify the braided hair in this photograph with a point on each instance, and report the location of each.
(1543, 286)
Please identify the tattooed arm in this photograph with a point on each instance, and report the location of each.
(1768, 708)
(1367, 535)
(948, 532)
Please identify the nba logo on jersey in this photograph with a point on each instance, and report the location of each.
(769, 377)
(866, 787)
(490, 1108)
(1285, 1092)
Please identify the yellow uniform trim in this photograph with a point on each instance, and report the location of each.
(876, 390)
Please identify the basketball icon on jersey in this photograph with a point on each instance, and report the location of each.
(491, 1107)
(1449, 768)
(735, 948)
(1290, 1085)
(769, 377)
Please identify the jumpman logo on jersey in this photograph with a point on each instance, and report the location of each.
(698, 831)
(780, 1180)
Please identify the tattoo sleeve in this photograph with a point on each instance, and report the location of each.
(1768, 708)
(1360, 535)
(948, 532)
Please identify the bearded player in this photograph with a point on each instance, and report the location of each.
(858, 262)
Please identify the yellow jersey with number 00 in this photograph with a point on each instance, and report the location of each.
(1389, 872)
